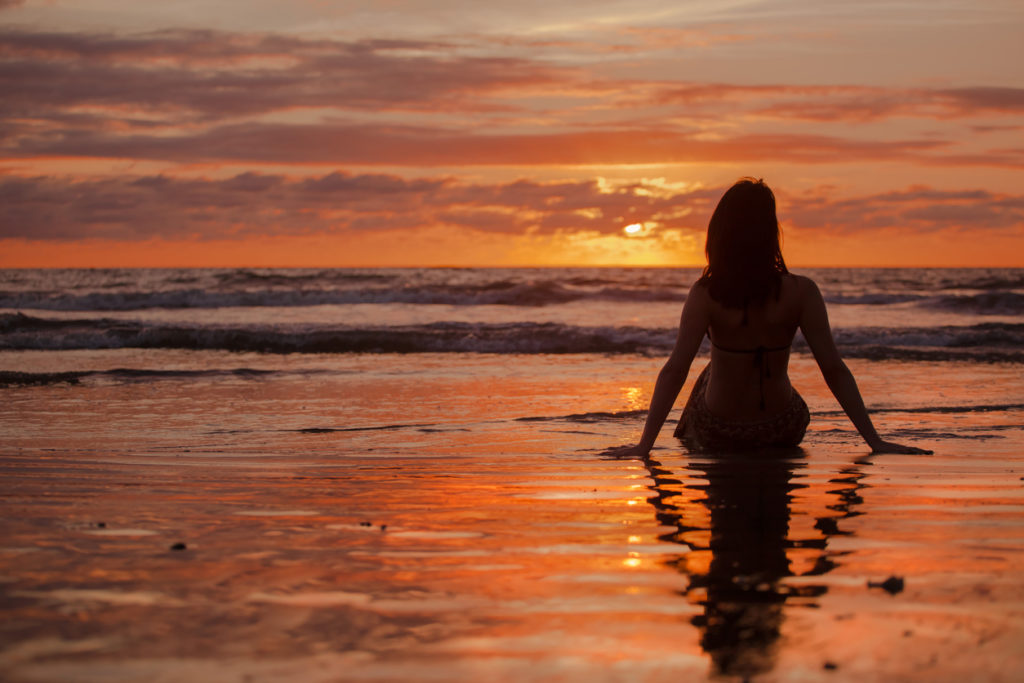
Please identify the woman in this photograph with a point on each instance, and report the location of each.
(750, 307)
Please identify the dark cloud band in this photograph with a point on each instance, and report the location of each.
(51, 208)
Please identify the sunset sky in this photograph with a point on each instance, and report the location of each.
(460, 132)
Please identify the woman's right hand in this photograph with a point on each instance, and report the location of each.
(891, 447)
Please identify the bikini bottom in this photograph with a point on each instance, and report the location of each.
(701, 428)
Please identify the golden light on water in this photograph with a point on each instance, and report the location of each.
(634, 398)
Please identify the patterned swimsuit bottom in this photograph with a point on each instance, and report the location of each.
(700, 427)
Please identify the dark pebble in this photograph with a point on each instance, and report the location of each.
(101, 525)
(179, 546)
(893, 585)
(830, 666)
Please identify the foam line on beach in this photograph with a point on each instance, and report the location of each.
(984, 408)
(597, 416)
(18, 378)
(601, 416)
(374, 428)
(13, 378)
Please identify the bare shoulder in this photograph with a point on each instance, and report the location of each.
(698, 299)
(699, 289)
(806, 289)
(802, 281)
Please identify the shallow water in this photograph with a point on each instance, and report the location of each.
(395, 517)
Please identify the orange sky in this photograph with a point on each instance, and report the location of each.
(533, 133)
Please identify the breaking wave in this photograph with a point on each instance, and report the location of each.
(988, 342)
(288, 293)
(501, 293)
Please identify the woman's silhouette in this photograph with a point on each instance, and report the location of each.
(750, 307)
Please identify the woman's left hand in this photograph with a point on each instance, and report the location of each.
(636, 452)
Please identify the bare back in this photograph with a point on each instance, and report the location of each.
(749, 360)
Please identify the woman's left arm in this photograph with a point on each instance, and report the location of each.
(693, 325)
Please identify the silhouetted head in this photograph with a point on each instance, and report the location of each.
(745, 262)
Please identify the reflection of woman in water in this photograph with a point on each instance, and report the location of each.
(750, 307)
(740, 557)
(741, 588)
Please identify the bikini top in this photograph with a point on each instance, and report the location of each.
(763, 369)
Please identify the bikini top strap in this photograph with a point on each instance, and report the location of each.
(755, 350)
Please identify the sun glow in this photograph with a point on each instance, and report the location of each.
(633, 228)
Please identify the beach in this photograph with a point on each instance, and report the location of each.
(382, 475)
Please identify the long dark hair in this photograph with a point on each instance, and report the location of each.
(745, 263)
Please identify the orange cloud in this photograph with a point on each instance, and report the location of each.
(137, 208)
(165, 207)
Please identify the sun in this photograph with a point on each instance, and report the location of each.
(633, 228)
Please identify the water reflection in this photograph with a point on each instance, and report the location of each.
(745, 537)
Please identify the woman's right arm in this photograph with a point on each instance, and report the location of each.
(693, 324)
(816, 330)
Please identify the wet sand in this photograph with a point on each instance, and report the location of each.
(402, 521)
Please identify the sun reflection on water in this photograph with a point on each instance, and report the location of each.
(634, 398)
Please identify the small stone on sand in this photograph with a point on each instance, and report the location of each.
(179, 546)
(893, 585)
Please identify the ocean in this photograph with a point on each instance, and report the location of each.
(903, 314)
(395, 474)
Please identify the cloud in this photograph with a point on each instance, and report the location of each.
(204, 75)
(252, 204)
(918, 209)
(615, 39)
(422, 146)
(662, 37)
(249, 203)
(1007, 100)
(65, 85)
(837, 103)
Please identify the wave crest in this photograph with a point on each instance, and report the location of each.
(995, 341)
